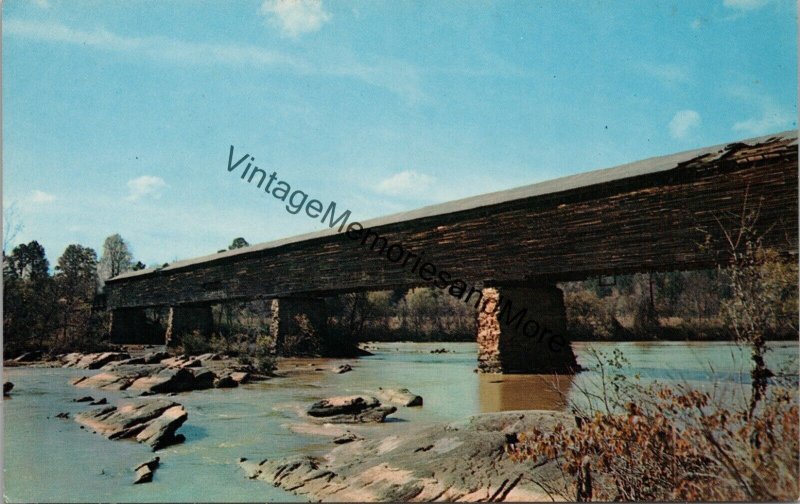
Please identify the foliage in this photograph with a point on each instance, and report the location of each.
(654, 443)
(29, 302)
(302, 339)
(195, 343)
(588, 315)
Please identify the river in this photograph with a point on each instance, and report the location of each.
(49, 459)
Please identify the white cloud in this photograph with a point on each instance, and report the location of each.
(295, 17)
(44, 4)
(398, 77)
(38, 196)
(406, 183)
(145, 186)
(771, 120)
(745, 5)
(683, 124)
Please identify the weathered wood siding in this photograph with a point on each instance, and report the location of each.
(648, 222)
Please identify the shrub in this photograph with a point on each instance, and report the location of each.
(658, 444)
(194, 343)
(303, 340)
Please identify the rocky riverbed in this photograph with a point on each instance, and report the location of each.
(465, 461)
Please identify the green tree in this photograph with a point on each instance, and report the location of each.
(76, 284)
(28, 298)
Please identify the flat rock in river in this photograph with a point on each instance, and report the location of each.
(447, 462)
(403, 397)
(150, 421)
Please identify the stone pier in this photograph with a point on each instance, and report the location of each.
(185, 319)
(523, 330)
(298, 325)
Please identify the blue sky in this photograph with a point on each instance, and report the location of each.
(118, 116)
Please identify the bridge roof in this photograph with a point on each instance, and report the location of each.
(562, 184)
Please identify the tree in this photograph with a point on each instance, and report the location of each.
(28, 298)
(28, 261)
(76, 283)
(238, 243)
(759, 280)
(11, 225)
(138, 266)
(116, 259)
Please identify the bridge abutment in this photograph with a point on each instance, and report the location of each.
(524, 330)
(186, 319)
(298, 325)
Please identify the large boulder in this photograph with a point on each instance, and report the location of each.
(161, 431)
(225, 382)
(203, 378)
(401, 396)
(166, 380)
(152, 421)
(350, 409)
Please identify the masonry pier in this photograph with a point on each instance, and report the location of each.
(523, 330)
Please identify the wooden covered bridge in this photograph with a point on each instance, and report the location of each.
(650, 215)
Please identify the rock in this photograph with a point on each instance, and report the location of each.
(143, 475)
(150, 421)
(251, 469)
(33, 356)
(93, 360)
(84, 399)
(166, 380)
(240, 377)
(7, 387)
(439, 351)
(342, 405)
(144, 471)
(402, 396)
(347, 437)
(350, 409)
(120, 377)
(155, 357)
(63, 415)
(225, 382)
(152, 464)
(161, 431)
(465, 462)
(344, 368)
(208, 357)
(203, 378)
(70, 359)
(124, 362)
(98, 402)
(181, 362)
